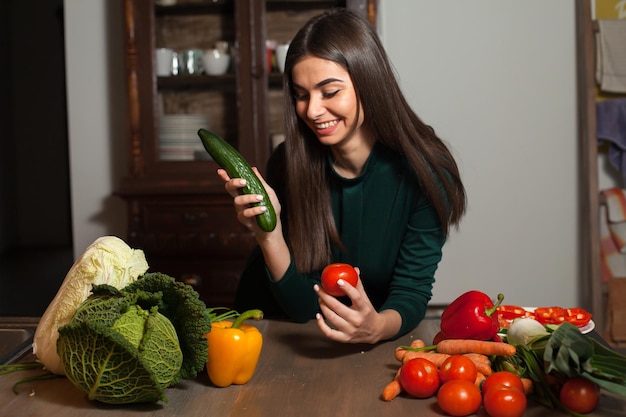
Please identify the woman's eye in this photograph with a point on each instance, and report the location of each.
(305, 96)
(300, 97)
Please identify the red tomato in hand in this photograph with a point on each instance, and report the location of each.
(334, 272)
(579, 395)
(503, 401)
(419, 377)
(506, 378)
(459, 398)
(458, 367)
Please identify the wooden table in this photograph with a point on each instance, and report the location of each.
(300, 373)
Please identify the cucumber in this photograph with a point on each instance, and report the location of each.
(231, 160)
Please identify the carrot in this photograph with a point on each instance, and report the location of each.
(399, 353)
(461, 346)
(528, 385)
(401, 350)
(482, 362)
(480, 378)
(392, 389)
(436, 358)
(417, 344)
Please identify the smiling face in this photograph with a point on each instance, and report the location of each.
(326, 101)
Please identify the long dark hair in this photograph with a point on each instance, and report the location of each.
(341, 36)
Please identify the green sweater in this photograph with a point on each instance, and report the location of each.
(390, 231)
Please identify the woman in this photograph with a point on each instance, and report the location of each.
(361, 179)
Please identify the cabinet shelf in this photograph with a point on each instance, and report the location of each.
(187, 9)
(275, 80)
(273, 5)
(178, 82)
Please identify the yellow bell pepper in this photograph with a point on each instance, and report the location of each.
(234, 349)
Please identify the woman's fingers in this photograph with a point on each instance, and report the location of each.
(336, 313)
(232, 185)
(329, 332)
(343, 323)
(270, 191)
(246, 205)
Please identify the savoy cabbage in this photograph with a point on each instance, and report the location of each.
(127, 346)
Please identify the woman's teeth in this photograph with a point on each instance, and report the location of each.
(326, 125)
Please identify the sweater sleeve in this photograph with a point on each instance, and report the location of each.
(291, 297)
(414, 273)
(295, 294)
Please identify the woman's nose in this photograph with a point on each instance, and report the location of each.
(314, 108)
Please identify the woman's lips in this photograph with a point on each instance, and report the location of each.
(326, 128)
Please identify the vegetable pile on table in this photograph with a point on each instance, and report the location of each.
(120, 334)
(544, 356)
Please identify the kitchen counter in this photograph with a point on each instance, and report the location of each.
(300, 373)
(16, 337)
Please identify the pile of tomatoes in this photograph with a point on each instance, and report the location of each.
(454, 384)
(544, 315)
(501, 394)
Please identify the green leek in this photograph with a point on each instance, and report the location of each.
(572, 353)
(566, 353)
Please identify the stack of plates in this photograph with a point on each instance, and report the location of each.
(178, 135)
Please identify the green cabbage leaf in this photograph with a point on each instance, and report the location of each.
(129, 345)
(109, 368)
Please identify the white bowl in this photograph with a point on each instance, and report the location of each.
(281, 55)
(215, 62)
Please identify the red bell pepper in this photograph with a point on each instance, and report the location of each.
(550, 315)
(557, 315)
(511, 312)
(578, 316)
(508, 313)
(472, 316)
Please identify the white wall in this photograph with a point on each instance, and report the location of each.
(97, 123)
(497, 80)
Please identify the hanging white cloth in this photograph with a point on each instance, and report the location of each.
(611, 55)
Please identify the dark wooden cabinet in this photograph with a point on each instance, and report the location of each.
(178, 211)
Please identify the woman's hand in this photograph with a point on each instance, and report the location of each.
(358, 323)
(244, 203)
(272, 244)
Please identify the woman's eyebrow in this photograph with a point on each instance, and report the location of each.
(321, 83)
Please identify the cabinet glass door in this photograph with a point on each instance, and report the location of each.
(195, 72)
